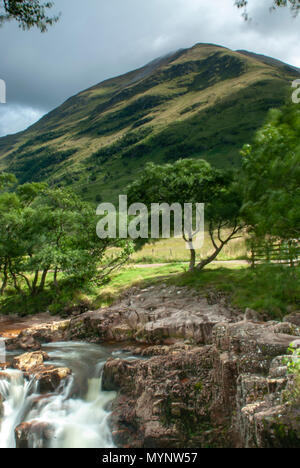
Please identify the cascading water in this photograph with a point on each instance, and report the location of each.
(2, 351)
(76, 415)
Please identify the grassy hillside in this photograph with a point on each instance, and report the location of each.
(203, 102)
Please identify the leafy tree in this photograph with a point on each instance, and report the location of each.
(28, 13)
(193, 181)
(45, 230)
(293, 5)
(271, 183)
(6, 181)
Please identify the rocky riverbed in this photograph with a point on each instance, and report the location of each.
(207, 375)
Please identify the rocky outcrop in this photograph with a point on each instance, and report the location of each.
(156, 315)
(48, 377)
(32, 339)
(207, 375)
(234, 392)
(29, 361)
(34, 434)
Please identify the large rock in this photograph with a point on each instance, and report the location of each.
(29, 361)
(34, 434)
(156, 315)
(48, 377)
(32, 339)
(232, 393)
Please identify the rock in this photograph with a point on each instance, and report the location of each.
(293, 318)
(295, 344)
(33, 434)
(29, 361)
(230, 393)
(31, 339)
(251, 316)
(154, 316)
(48, 377)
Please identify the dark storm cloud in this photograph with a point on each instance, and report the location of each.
(105, 38)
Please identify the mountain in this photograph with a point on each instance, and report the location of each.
(204, 102)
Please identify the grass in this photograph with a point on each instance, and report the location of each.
(174, 251)
(272, 290)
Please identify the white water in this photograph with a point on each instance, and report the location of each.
(2, 351)
(77, 413)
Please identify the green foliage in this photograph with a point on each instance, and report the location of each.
(193, 181)
(293, 362)
(28, 13)
(203, 103)
(293, 5)
(272, 290)
(272, 177)
(7, 181)
(46, 231)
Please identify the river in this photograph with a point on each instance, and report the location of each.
(77, 413)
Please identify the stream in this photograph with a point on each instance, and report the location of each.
(77, 413)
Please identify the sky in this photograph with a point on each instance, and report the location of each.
(98, 39)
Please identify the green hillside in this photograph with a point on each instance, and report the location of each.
(203, 102)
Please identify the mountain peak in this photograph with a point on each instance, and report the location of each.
(201, 102)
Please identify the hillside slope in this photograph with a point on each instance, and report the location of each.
(203, 102)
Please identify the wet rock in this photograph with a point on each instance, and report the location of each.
(234, 392)
(31, 339)
(29, 361)
(48, 377)
(33, 434)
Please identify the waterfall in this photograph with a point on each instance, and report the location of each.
(2, 351)
(79, 421)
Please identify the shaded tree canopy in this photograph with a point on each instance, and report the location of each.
(294, 6)
(194, 181)
(271, 182)
(28, 13)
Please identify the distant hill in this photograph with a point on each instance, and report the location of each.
(203, 102)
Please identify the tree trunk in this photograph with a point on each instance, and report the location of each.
(5, 279)
(210, 259)
(193, 255)
(35, 282)
(55, 278)
(43, 280)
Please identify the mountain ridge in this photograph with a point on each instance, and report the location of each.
(205, 101)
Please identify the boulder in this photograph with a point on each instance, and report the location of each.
(154, 316)
(29, 361)
(293, 318)
(34, 434)
(48, 377)
(234, 392)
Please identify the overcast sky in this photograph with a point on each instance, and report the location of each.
(98, 39)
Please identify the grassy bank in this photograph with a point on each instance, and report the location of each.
(174, 250)
(272, 290)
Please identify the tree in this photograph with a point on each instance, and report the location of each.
(271, 185)
(45, 230)
(293, 5)
(28, 13)
(6, 181)
(193, 181)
